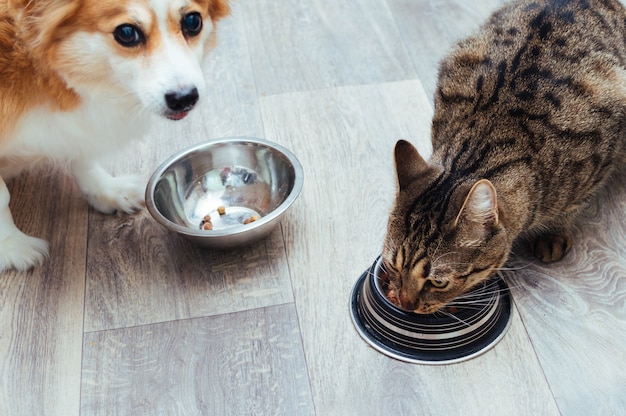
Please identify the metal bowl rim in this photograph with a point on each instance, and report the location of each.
(275, 213)
(421, 357)
(411, 359)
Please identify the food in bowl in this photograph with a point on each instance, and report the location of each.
(252, 179)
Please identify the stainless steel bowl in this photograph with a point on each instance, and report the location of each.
(466, 331)
(246, 176)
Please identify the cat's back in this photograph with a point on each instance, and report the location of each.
(541, 88)
(534, 54)
(551, 31)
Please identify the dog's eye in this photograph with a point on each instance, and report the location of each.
(191, 24)
(128, 35)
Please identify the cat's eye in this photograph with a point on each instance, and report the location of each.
(191, 24)
(128, 35)
(439, 284)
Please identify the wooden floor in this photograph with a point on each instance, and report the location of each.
(126, 319)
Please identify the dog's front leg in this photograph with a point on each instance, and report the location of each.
(17, 250)
(106, 193)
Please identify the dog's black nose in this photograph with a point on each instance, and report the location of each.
(182, 100)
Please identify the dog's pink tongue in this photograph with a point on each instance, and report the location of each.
(178, 116)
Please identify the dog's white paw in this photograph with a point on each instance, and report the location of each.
(125, 193)
(106, 193)
(21, 252)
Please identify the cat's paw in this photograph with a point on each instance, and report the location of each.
(21, 252)
(125, 193)
(552, 247)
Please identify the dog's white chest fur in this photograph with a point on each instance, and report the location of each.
(94, 129)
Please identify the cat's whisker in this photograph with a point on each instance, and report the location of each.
(512, 268)
(466, 304)
(436, 250)
(450, 315)
(481, 295)
(478, 296)
(451, 264)
(438, 259)
(464, 264)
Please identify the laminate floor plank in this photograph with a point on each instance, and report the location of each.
(575, 311)
(345, 137)
(301, 45)
(247, 363)
(430, 28)
(148, 275)
(41, 311)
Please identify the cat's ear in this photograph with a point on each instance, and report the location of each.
(409, 164)
(480, 209)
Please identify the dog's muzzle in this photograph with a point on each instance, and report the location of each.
(179, 103)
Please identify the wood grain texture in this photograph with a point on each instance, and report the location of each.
(248, 363)
(143, 274)
(337, 231)
(575, 311)
(301, 45)
(430, 28)
(41, 311)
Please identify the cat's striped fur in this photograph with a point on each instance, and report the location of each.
(529, 122)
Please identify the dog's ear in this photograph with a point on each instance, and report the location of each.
(42, 22)
(218, 9)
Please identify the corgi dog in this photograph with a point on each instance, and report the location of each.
(79, 78)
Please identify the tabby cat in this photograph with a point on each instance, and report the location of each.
(529, 123)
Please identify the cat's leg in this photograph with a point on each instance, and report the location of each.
(106, 193)
(553, 245)
(17, 250)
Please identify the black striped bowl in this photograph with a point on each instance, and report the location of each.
(430, 339)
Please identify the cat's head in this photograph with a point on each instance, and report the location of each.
(444, 236)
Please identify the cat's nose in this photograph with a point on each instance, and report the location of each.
(407, 303)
